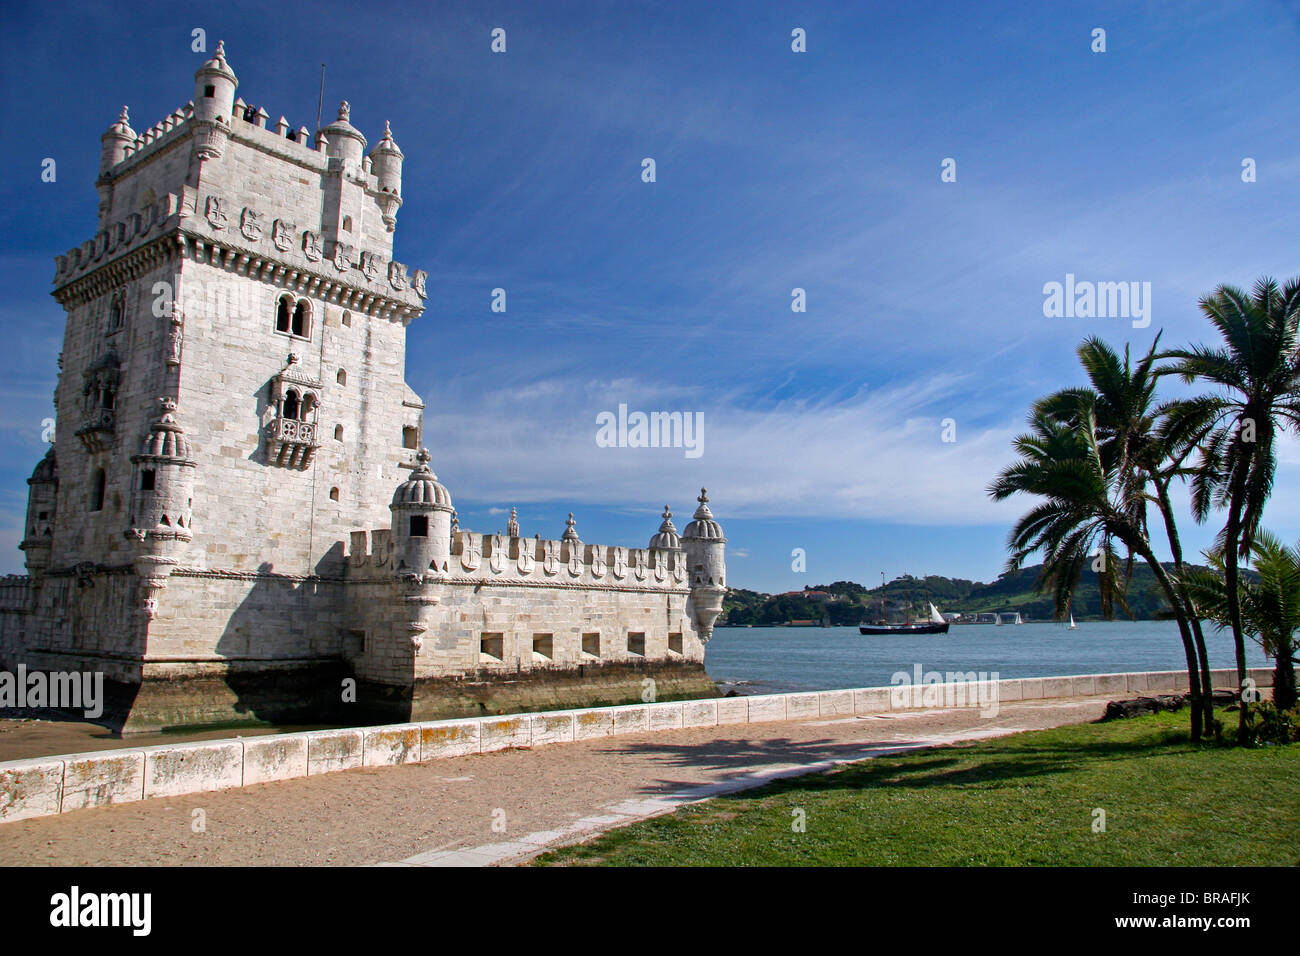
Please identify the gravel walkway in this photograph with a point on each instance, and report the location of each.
(490, 808)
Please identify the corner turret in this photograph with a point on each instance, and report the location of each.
(422, 512)
(214, 104)
(386, 164)
(344, 141)
(42, 495)
(705, 547)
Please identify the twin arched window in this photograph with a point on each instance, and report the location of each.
(293, 317)
(298, 409)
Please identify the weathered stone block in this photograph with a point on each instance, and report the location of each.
(802, 706)
(733, 710)
(630, 720)
(1009, 690)
(836, 703)
(766, 707)
(1110, 684)
(501, 733)
(30, 788)
(664, 716)
(871, 700)
(553, 728)
(1057, 687)
(1085, 685)
(597, 722)
(276, 757)
(1136, 683)
(390, 746)
(1031, 688)
(329, 751)
(193, 768)
(699, 713)
(448, 738)
(102, 778)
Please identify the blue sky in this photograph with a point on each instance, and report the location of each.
(775, 170)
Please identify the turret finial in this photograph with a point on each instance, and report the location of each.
(570, 531)
(704, 496)
(221, 50)
(345, 111)
(423, 456)
(512, 526)
(455, 522)
(122, 117)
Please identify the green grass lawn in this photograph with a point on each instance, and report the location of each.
(1027, 799)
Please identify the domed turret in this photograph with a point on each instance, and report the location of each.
(705, 547)
(42, 495)
(343, 140)
(422, 512)
(214, 104)
(667, 537)
(162, 492)
(386, 164)
(116, 140)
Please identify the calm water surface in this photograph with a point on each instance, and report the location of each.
(775, 659)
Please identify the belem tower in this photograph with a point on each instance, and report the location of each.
(240, 522)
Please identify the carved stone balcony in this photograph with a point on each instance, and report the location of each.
(291, 443)
(97, 431)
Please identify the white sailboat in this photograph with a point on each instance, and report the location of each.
(1073, 626)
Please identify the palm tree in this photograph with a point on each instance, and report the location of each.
(1256, 377)
(1123, 399)
(1085, 512)
(1270, 607)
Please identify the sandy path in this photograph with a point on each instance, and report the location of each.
(391, 814)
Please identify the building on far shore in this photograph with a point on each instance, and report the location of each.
(240, 523)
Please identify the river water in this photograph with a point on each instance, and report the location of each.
(761, 660)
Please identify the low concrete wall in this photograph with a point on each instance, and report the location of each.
(49, 785)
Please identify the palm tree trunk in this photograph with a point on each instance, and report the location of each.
(1141, 547)
(1194, 617)
(1231, 537)
(1284, 689)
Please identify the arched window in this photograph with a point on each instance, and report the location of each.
(347, 223)
(148, 479)
(290, 410)
(97, 484)
(338, 432)
(347, 318)
(282, 310)
(334, 494)
(342, 377)
(308, 407)
(301, 319)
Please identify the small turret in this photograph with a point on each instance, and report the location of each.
(214, 104)
(705, 547)
(42, 496)
(161, 502)
(343, 140)
(512, 526)
(667, 538)
(422, 513)
(115, 142)
(386, 164)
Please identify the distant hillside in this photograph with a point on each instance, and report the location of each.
(847, 602)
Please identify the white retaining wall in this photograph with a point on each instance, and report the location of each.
(48, 785)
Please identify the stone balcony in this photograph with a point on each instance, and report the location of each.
(97, 430)
(291, 443)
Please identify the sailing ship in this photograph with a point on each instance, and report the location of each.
(934, 623)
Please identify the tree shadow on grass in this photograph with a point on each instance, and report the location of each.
(921, 766)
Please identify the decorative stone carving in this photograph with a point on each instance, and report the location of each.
(215, 216)
(417, 282)
(250, 224)
(282, 235)
(311, 246)
(291, 433)
(498, 561)
(597, 561)
(343, 256)
(620, 563)
(175, 336)
(397, 275)
(370, 266)
(471, 555)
